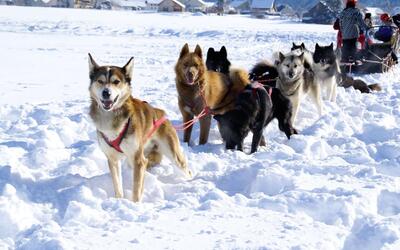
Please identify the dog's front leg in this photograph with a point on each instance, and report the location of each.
(139, 163)
(240, 145)
(285, 124)
(205, 124)
(295, 108)
(333, 90)
(257, 134)
(316, 98)
(115, 171)
(188, 131)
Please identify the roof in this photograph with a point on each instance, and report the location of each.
(237, 3)
(209, 4)
(176, 2)
(131, 3)
(190, 2)
(154, 1)
(262, 4)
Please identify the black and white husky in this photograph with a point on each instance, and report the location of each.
(326, 70)
(324, 63)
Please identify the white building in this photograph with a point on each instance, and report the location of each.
(194, 5)
(171, 6)
(262, 6)
(130, 4)
(152, 4)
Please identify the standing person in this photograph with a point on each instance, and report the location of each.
(351, 26)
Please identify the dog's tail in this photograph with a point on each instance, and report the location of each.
(375, 87)
(239, 78)
(264, 72)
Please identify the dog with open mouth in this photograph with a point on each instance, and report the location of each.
(128, 127)
(199, 88)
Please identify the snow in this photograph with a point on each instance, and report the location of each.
(333, 186)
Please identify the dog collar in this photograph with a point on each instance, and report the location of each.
(115, 144)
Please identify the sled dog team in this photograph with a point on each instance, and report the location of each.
(239, 101)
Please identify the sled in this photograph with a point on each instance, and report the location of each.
(374, 56)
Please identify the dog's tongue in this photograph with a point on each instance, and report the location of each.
(107, 104)
(189, 80)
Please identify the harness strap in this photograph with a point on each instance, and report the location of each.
(212, 110)
(115, 144)
(188, 124)
(257, 84)
(156, 124)
(267, 80)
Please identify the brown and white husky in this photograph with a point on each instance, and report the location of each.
(128, 127)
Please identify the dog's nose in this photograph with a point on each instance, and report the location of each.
(291, 74)
(106, 93)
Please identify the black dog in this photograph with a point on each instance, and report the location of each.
(256, 106)
(218, 60)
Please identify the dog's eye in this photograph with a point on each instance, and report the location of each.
(100, 81)
(116, 82)
(295, 66)
(287, 65)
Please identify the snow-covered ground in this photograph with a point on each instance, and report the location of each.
(334, 186)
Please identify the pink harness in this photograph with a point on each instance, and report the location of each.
(257, 85)
(115, 144)
(156, 124)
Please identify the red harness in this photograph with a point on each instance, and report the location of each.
(115, 144)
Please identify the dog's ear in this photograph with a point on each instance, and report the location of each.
(184, 50)
(198, 51)
(92, 64)
(281, 57)
(317, 46)
(128, 69)
(331, 46)
(224, 52)
(210, 52)
(303, 46)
